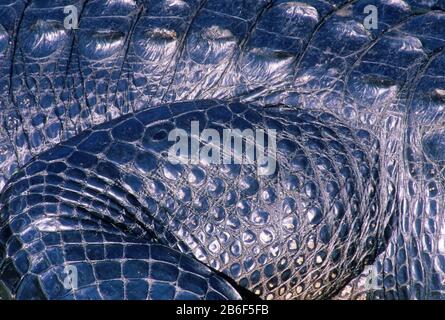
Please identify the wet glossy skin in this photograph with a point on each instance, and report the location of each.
(271, 234)
(360, 157)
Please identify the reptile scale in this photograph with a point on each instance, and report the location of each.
(85, 117)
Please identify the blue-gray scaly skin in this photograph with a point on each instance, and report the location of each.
(360, 157)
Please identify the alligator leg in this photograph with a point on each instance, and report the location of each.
(50, 241)
(114, 185)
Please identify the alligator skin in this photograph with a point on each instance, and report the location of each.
(360, 149)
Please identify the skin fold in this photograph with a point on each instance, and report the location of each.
(358, 186)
